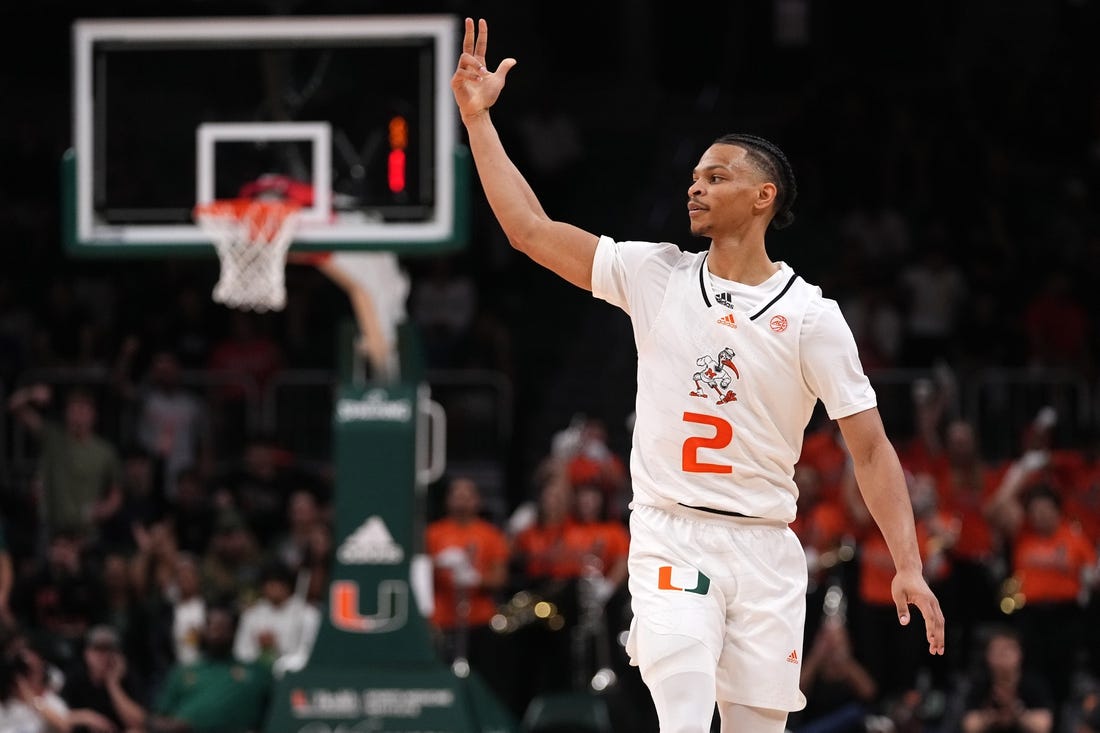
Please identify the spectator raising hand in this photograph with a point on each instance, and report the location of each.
(78, 467)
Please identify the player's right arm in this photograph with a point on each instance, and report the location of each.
(562, 248)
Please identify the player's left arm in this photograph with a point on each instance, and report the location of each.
(882, 483)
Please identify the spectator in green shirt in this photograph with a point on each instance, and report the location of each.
(79, 469)
(218, 693)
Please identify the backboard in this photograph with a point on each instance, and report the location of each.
(168, 113)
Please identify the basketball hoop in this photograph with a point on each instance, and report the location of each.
(252, 237)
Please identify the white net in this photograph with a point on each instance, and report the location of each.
(252, 238)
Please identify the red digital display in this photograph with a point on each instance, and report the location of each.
(396, 171)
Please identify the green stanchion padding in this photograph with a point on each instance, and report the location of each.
(372, 613)
(411, 348)
(374, 667)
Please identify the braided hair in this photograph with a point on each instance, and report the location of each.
(773, 163)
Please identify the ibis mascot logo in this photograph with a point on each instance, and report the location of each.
(716, 375)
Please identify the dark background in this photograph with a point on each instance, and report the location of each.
(977, 123)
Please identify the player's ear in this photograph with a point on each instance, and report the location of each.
(765, 195)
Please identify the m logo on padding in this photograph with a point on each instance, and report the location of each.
(393, 607)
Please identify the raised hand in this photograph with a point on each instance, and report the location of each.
(475, 87)
(41, 393)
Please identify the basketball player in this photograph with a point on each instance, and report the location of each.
(717, 578)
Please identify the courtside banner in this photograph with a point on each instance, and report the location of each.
(389, 700)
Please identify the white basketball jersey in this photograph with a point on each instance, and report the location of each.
(728, 377)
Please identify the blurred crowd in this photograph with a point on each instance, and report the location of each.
(1010, 547)
(141, 591)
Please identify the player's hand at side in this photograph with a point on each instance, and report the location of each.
(475, 87)
(911, 589)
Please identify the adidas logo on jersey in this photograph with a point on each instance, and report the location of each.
(793, 657)
(728, 320)
(725, 299)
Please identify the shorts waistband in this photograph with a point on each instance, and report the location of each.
(715, 516)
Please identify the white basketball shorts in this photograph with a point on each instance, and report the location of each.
(736, 585)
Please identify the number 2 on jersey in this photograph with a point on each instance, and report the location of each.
(723, 435)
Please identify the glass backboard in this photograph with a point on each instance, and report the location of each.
(168, 113)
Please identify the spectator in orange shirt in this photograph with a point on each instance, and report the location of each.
(1083, 502)
(470, 559)
(823, 527)
(924, 451)
(821, 523)
(544, 569)
(598, 541)
(541, 559)
(892, 653)
(598, 545)
(1053, 566)
(824, 449)
(1082, 507)
(1063, 465)
(583, 447)
(937, 534)
(594, 541)
(1039, 468)
(966, 484)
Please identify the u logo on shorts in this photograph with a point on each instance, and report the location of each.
(664, 581)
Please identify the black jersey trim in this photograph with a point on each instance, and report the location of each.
(723, 512)
(702, 285)
(773, 300)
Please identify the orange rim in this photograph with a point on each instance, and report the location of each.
(261, 219)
